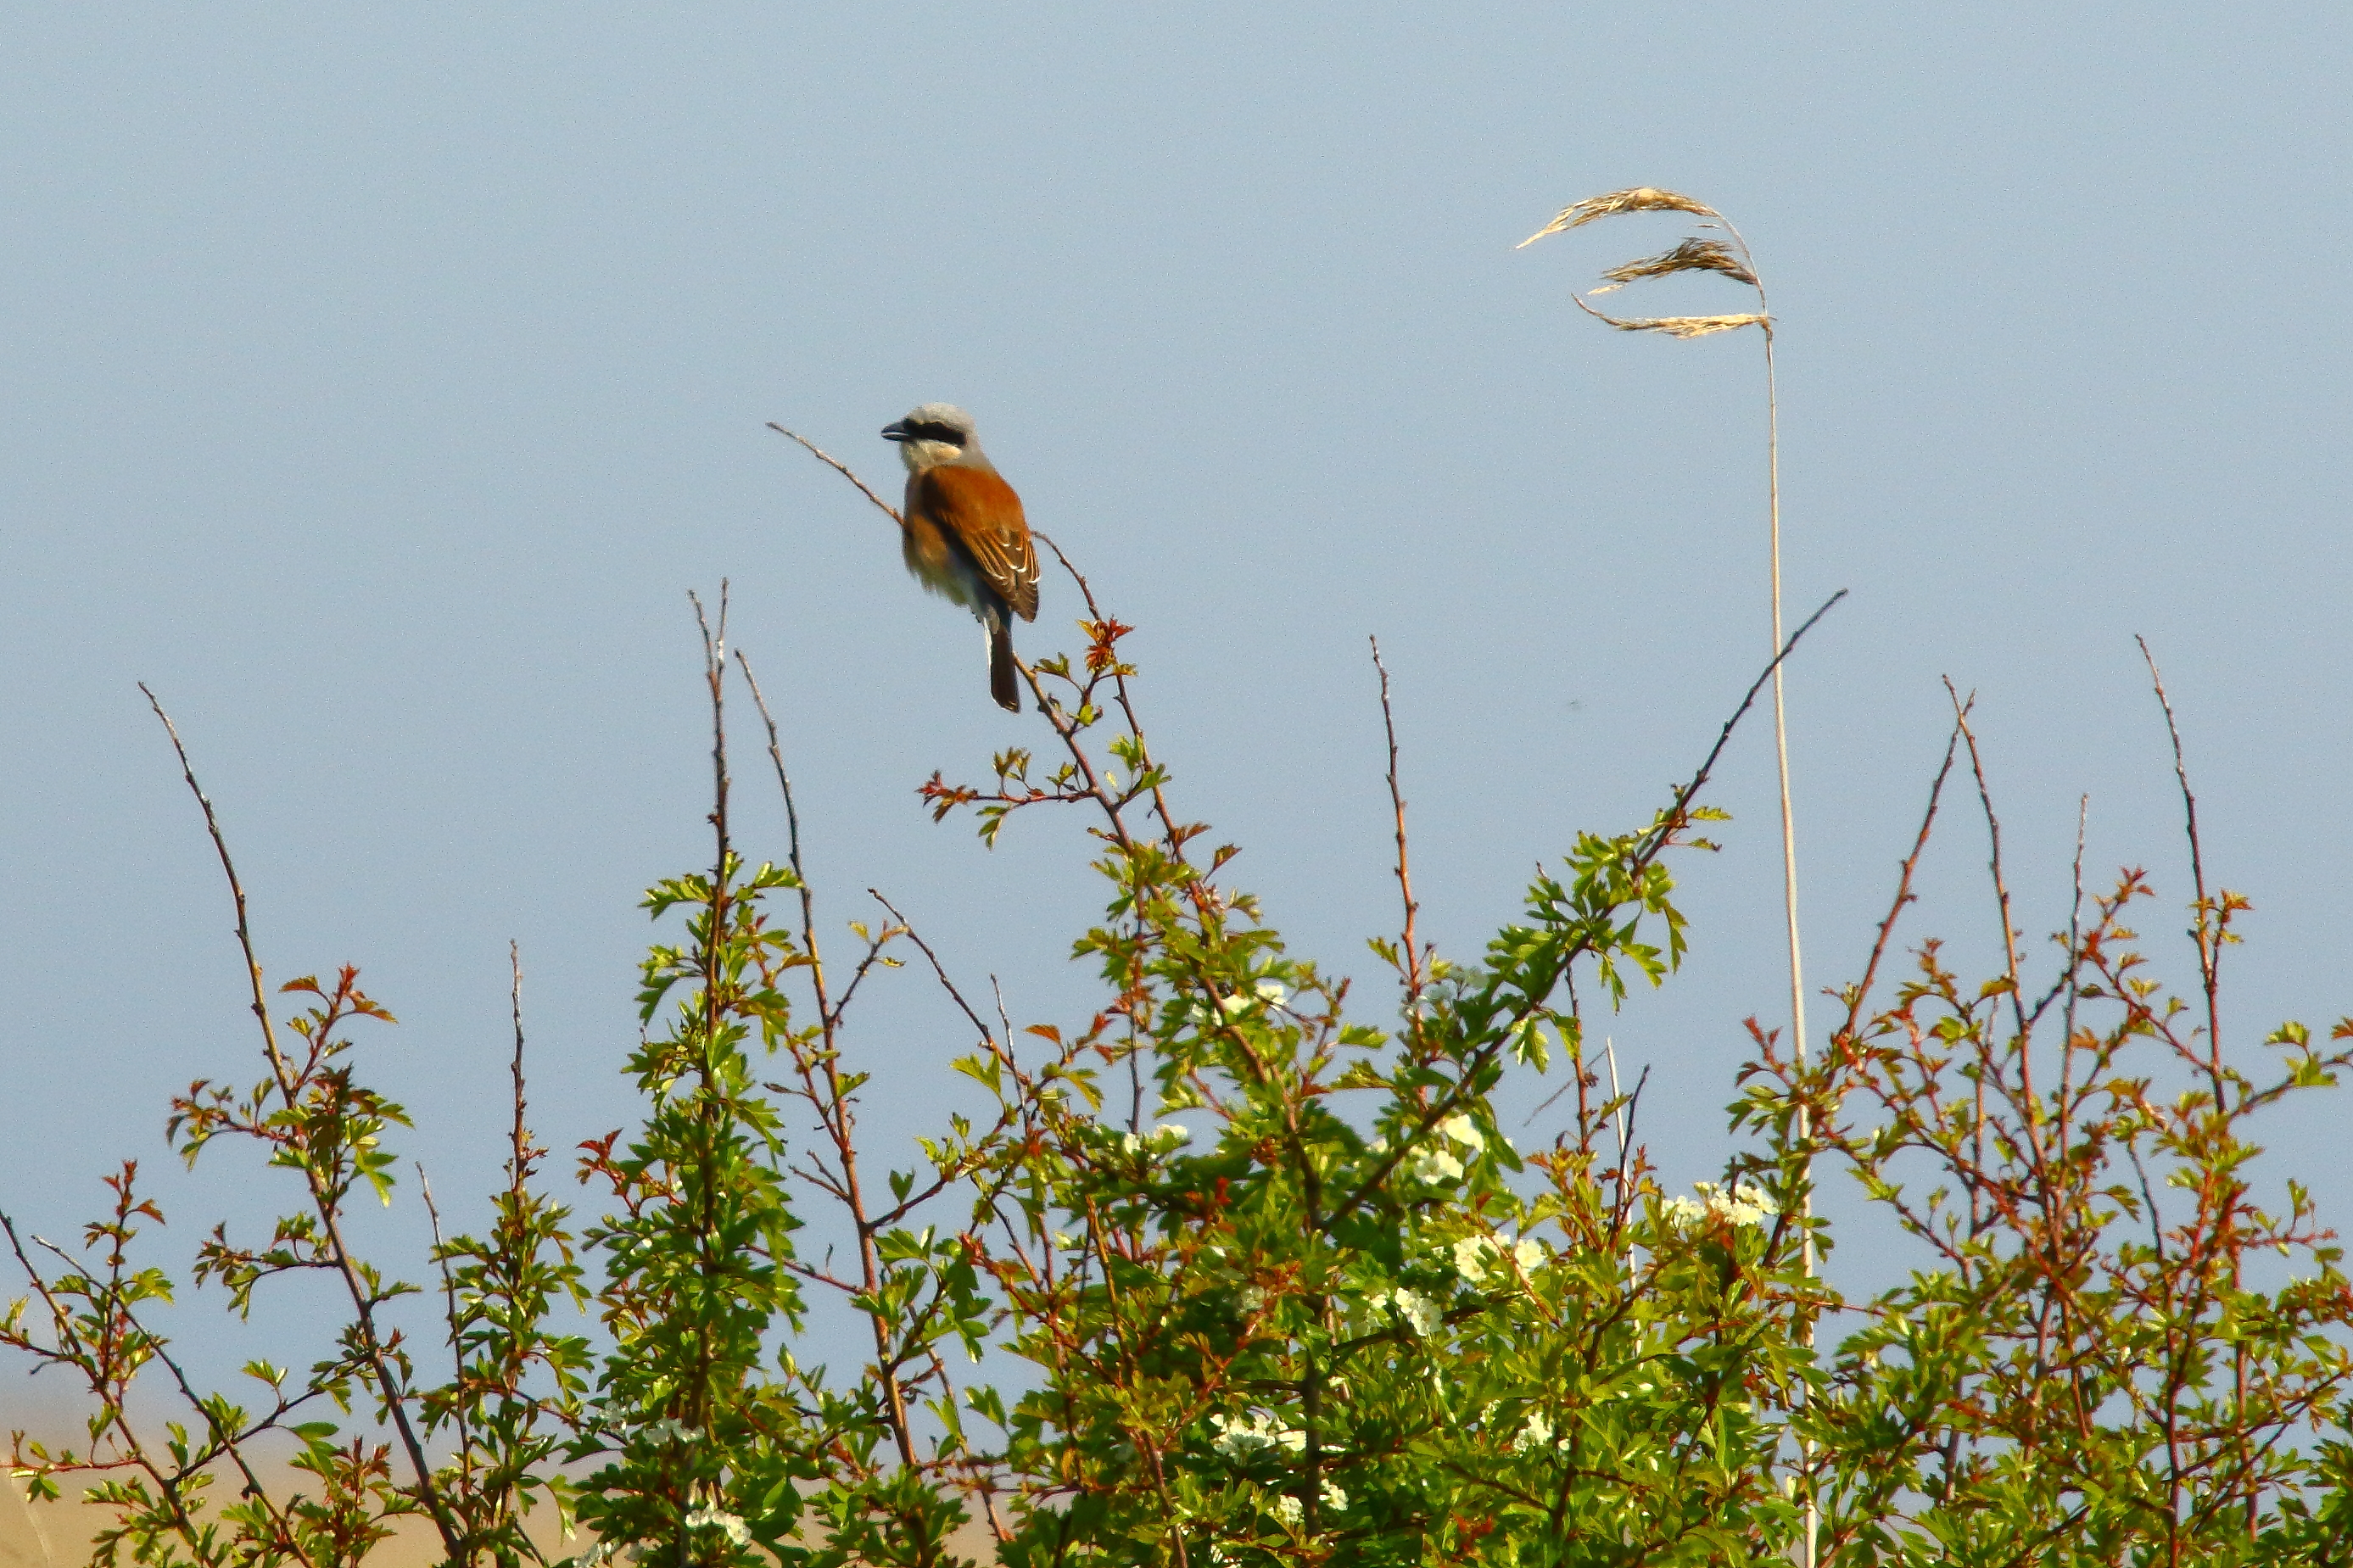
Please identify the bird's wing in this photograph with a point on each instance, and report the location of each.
(981, 510)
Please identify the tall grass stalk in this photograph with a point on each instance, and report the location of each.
(1737, 263)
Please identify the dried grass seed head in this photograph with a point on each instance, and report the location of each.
(1691, 256)
(1681, 326)
(1640, 199)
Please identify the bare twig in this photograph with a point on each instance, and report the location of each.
(1903, 894)
(224, 1444)
(1672, 819)
(793, 845)
(1412, 940)
(2061, 985)
(449, 1307)
(1169, 823)
(1684, 795)
(2074, 960)
(835, 1112)
(838, 467)
(2210, 948)
(874, 946)
(236, 892)
(2000, 885)
(938, 968)
(521, 1169)
(377, 1355)
(714, 672)
(2211, 930)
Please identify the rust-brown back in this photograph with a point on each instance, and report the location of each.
(981, 511)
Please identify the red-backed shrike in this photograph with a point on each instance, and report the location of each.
(966, 539)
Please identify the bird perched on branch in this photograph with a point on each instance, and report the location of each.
(966, 539)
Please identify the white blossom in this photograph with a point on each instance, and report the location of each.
(1436, 1165)
(1473, 1255)
(1264, 994)
(1238, 1439)
(1535, 1434)
(1742, 1205)
(1464, 1131)
(1286, 1509)
(1415, 1307)
(709, 1514)
(1334, 1498)
(1159, 1141)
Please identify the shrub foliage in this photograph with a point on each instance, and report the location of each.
(1230, 1273)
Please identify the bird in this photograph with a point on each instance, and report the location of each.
(963, 534)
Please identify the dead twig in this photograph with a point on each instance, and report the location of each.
(838, 467)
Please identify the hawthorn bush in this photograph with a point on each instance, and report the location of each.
(1226, 1273)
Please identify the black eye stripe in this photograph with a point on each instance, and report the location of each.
(930, 431)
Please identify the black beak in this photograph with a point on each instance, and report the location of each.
(895, 431)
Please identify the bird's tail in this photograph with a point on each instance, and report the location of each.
(1003, 676)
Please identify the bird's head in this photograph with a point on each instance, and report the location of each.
(933, 434)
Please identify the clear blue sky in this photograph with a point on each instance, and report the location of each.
(378, 383)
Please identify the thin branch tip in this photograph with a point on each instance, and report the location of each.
(838, 467)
